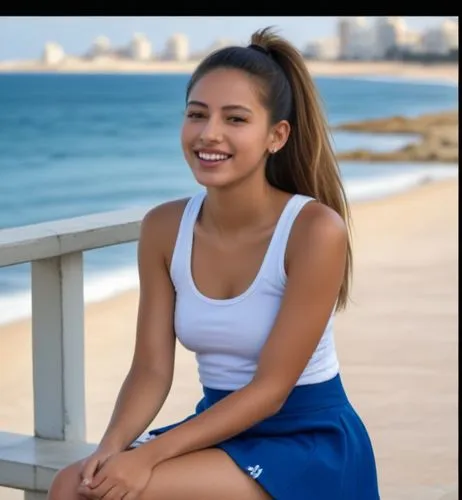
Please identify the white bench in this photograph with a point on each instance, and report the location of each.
(29, 463)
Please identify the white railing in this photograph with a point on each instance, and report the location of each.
(55, 251)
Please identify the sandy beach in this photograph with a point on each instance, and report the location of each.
(397, 345)
(436, 72)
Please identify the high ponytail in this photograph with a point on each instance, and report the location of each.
(306, 164)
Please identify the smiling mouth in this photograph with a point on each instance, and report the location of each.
(212, 157)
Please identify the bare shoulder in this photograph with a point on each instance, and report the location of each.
(160, 225)
(163, 215)
(321, 220)
(317, 227)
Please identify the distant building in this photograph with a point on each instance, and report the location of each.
(140, 48)
(323, 49)
(450, 29)
(390, 35)
(355, 38)
(177, 48)
(442, 39)
(53, 53)
(344, 35)
(101, 47)
(412, 43)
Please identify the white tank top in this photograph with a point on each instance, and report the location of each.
(227, 335)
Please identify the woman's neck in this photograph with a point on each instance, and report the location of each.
(241, 208)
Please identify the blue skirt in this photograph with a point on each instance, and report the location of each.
(315, 448)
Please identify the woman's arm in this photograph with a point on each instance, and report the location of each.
(149, 379)
(316, 265)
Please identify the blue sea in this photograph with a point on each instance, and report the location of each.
(73, 145)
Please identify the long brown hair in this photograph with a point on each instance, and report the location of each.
(306, 164)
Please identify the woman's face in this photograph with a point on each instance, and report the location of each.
(226, 132)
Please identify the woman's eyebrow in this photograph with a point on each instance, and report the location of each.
(226, 107)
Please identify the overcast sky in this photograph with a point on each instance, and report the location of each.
(24, 37)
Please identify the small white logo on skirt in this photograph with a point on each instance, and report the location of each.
(255, 471)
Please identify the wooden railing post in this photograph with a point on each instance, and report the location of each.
(58, 347)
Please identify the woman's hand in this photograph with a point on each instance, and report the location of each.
(93, 463)
(122, 475)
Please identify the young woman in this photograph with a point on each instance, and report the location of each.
(248, 274)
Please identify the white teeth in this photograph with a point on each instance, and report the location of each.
(212, 156)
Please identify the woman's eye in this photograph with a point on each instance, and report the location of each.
(197, 115)
(236, 119)
(194, 114)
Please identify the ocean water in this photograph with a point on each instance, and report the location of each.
(73, 145)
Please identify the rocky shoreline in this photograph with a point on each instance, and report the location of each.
(439, 138)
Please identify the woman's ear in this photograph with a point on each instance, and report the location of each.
(279, 134)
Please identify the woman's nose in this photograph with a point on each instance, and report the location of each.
(212, 131)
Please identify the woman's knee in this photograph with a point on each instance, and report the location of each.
(202, 475)
(65, 483)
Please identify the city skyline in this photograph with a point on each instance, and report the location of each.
(24, 37)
